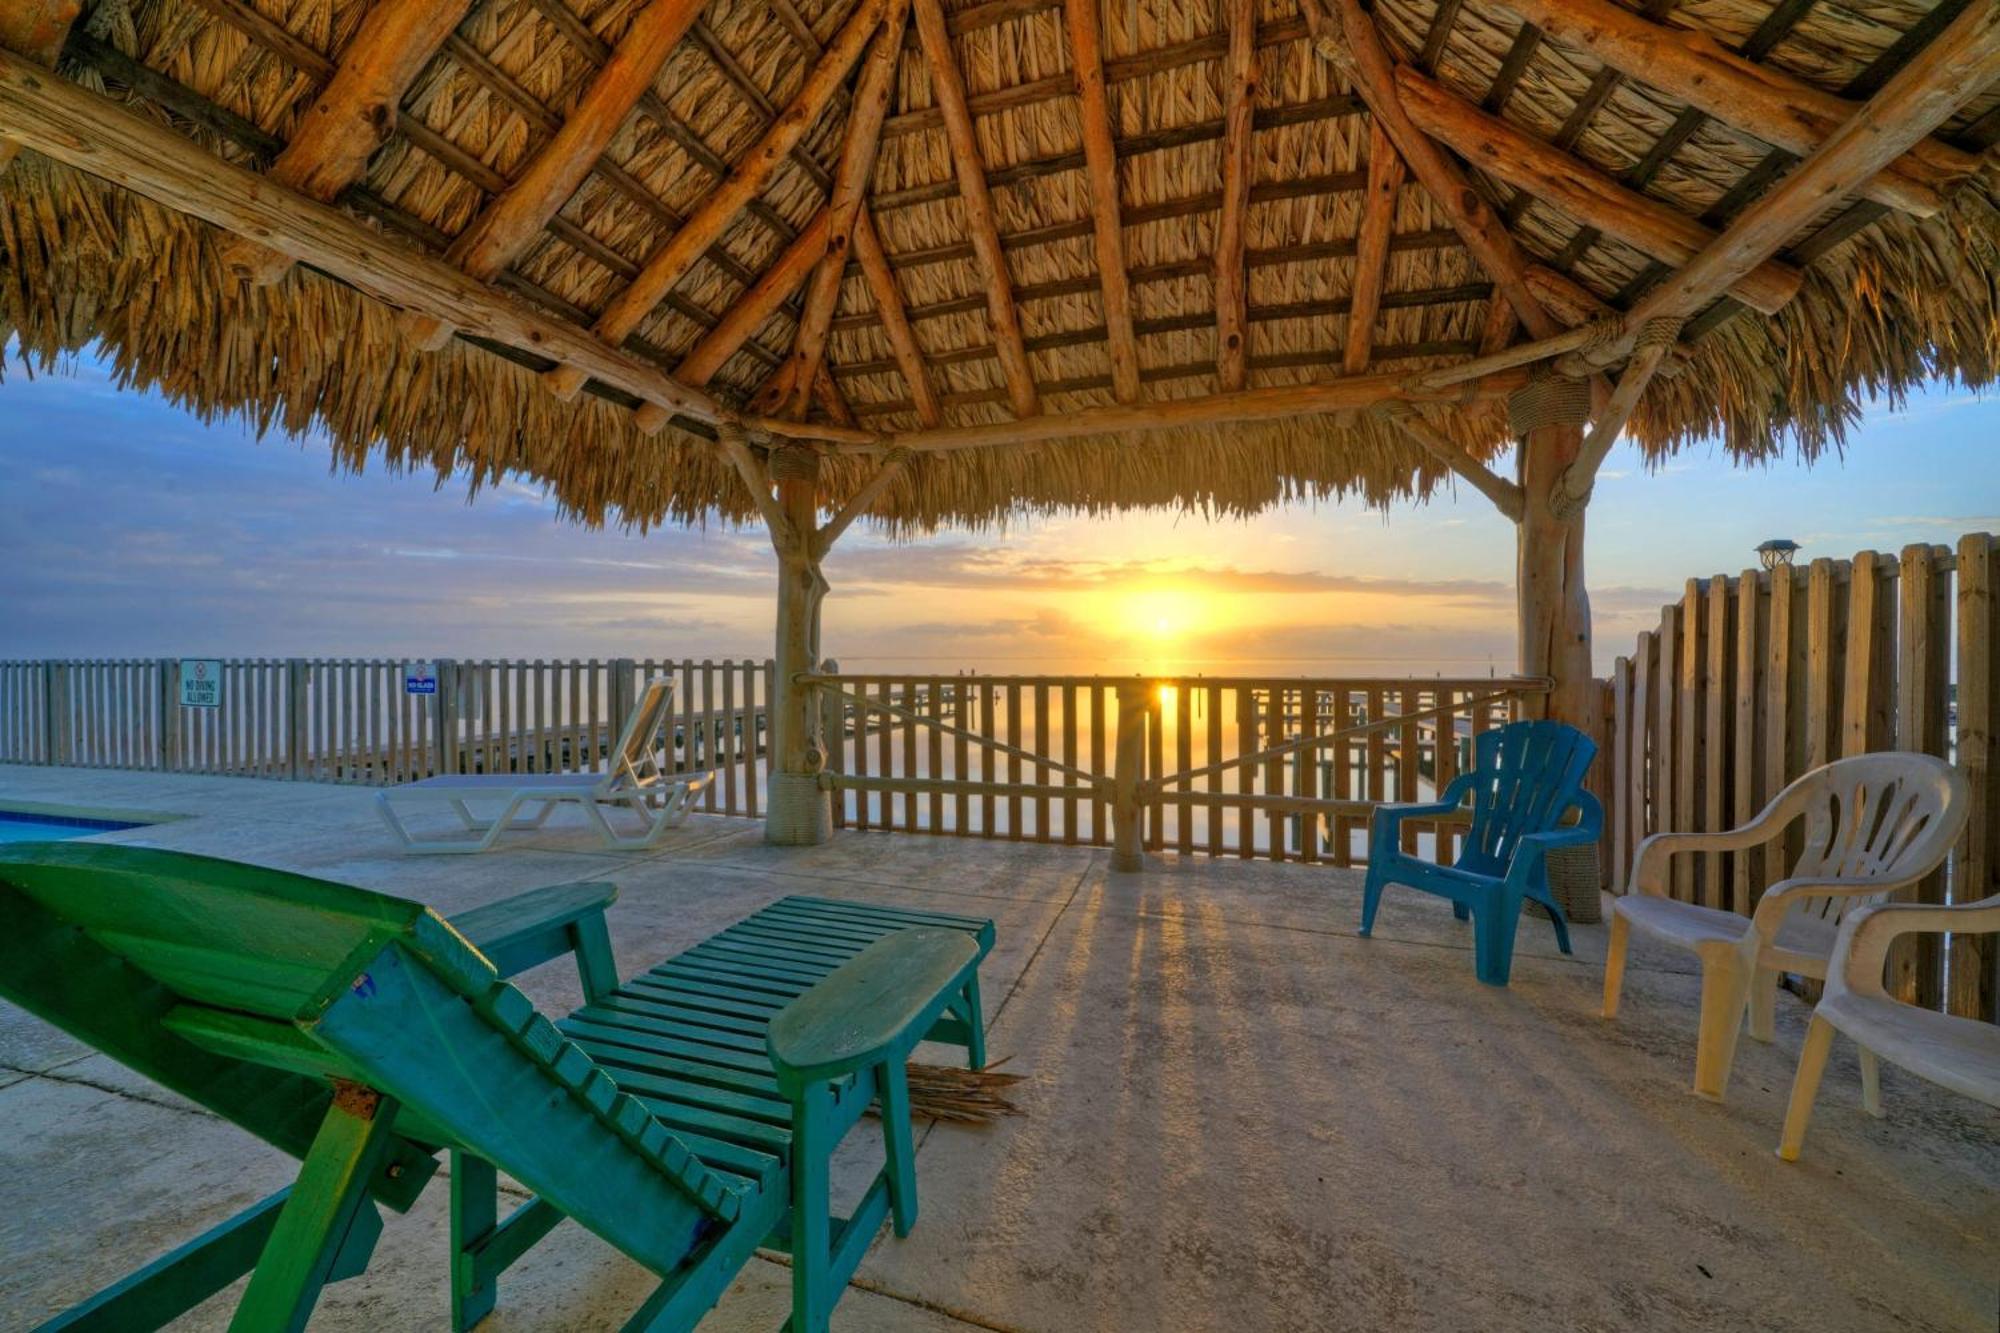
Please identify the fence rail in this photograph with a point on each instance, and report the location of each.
(353, 721)
(1283, 768)
(1752, 680)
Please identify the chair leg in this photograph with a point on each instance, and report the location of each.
(305, 1249)
(899, 1141)
(1494, 922)
(1371, 898)
(475, 1211)
(812, 1144)
(975, 1024)
(1805, 1086)
(1764, 1004)
(1561, 923)
(1460, 912)
(1871, 1083)
(1725, 985)
(1614, 962)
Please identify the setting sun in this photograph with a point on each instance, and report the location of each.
(1164, 612)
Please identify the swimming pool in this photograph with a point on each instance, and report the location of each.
(20, 826)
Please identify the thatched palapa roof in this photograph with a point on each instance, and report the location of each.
(522, 150)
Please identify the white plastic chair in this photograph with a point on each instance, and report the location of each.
(1875, 823)
(1962, 1054)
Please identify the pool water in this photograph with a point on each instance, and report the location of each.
(19, 827)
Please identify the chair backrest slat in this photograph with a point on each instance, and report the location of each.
(1527, 778)
(1873, 816)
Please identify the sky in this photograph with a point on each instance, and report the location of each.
(131, 528)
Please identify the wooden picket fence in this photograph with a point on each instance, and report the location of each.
(1041, 758)
(1752, 680)
(352, 721)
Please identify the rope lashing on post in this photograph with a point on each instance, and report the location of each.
(1655, 341)
(1548, 400)
(793, 462)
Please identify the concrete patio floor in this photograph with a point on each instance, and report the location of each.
(1238, 1115)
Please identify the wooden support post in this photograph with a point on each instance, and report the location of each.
(1134, 700)
(1554, 608)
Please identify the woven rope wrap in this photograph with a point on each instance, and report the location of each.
(794, 463)
(1573, 881)
(799, 814)
(1664, 331)
(1554, 401)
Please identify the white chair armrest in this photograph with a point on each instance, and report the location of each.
(1777, 899)
(1865, 936)
(1649, 863)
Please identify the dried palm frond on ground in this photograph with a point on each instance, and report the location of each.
(962, 1096)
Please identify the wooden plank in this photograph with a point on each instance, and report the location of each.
(1689, 766)
(1621, 766)
(1014, 776)
(1579, 190)
(1371, 254)
(1306, 771)
(1752, 626)
(1214, 782)
(1666, 808)
(1923, 695)
(1825, 629)
(948, 87)
(1867, 720)
(1975, 959)
(1640, 741)
(1717, 714)
(1239, 98)
(1070, 758)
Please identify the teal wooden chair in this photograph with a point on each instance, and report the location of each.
(1526, 778)
(686, 1117)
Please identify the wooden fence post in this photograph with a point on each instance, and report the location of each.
(298, 729)
(1916, 962)
(444, 718)
(55, 709)
(1975, 959)
(1125, 775)
(623, 692)
(169, 758)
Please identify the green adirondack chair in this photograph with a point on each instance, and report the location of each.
(686, 1117)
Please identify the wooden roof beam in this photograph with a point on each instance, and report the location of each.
(1759, 100)
(354, 115)
(514, 218)
(1371, 250)
(1372, 71)
(757, 304)
(948, 86)
(1232, 289)
(35, 29)
(1351, 393)
(850, 187)
(670, 263)
(1086, 56)
(1505, 495)
(1576, 188)
(66, 122)
(895, 323)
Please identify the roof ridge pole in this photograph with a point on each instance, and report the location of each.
(948, 86)
(851, 182)
(513, 218)
(36, 29)
(1232, 291)
(753, 171)
(1100, 155)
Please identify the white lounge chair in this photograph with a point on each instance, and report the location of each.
(634, 781)
(1962, 1054)
(1875, 823)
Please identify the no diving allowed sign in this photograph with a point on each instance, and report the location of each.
(201, 682)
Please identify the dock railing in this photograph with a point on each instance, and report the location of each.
(1751, 680)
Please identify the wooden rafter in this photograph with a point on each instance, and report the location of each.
(1371, 251)
(355, 113)
(1578, 189)
(89, 132)
(1101, 166)
(757, 304)
(509, 222)
(850, 187)
(1758, 99)
(753, 172)
(895, 325)
(1232, 289)
(1373, 73)
(1004, 321)
(35, 29)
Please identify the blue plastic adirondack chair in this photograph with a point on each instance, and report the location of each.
(1526, 777)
